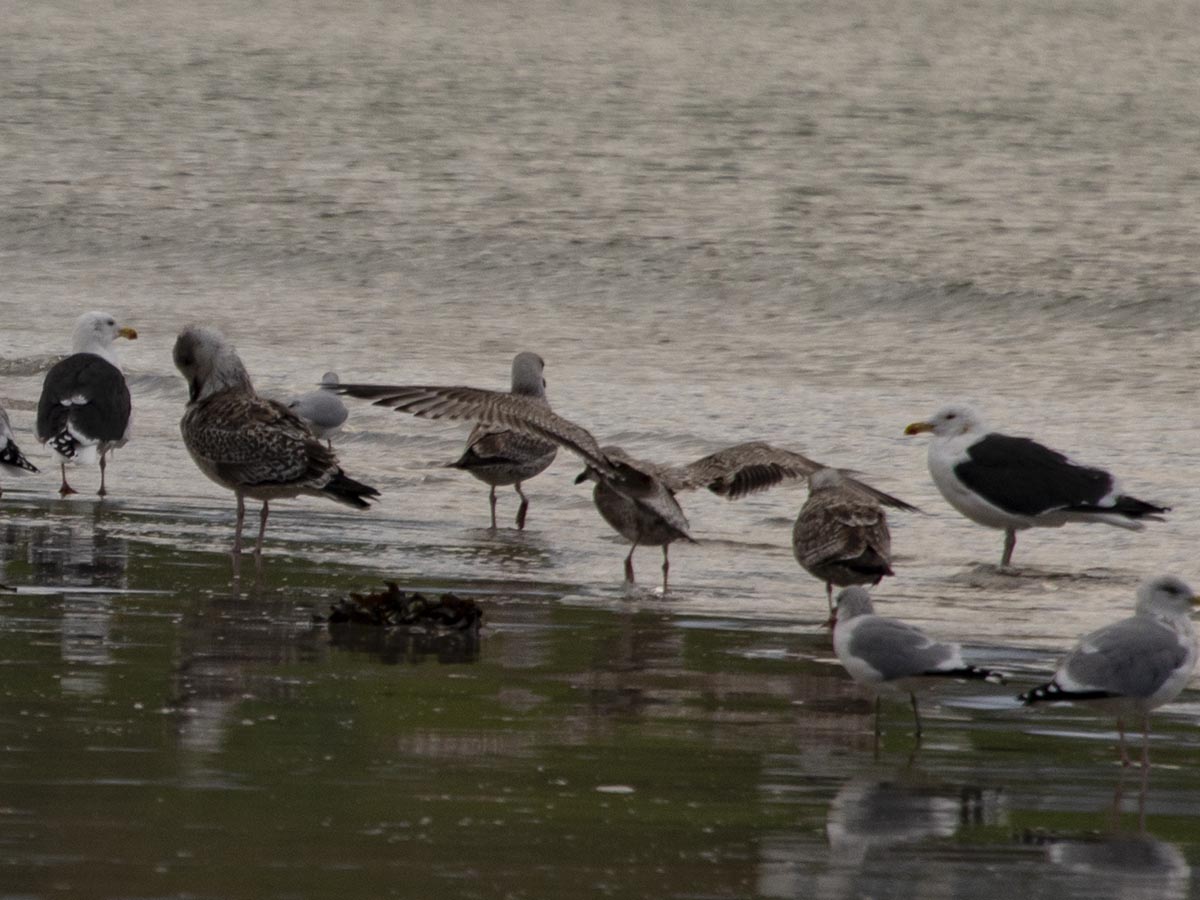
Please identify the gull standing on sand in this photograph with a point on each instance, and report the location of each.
(1132, 666)
(322, 409)
(84, 410)
(841, 534)
(1012, 483)
(887, 655)
(500, 456)
(11, 457)
(253, 446)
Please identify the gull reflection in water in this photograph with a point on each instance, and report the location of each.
(1130, 865)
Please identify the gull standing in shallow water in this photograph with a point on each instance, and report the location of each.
(636, 497)
(841, 534)
(885, 654)
(11, 456)
(499, 456)
(1132, 666)
(84, 410)
(1013, 483)
(256, 447)
(323, 410)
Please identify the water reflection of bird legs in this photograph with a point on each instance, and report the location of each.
(1119, 796)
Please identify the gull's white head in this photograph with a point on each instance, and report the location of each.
(851, 602)
(949, 421)
(825, 479)
(527, 378)
(209, 363)
(1165, 596)
(95, 332)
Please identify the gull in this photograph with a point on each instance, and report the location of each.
(644, 508)
(11, 456)
(253, 446)
(886, 655)
(841, 534)
(324, 411)
(500, 456)
(1012, 483)
(1132, 666)
(84, 409)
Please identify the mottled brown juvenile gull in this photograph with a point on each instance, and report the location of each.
(497, 455)
(1012, 483)
(636, 497)
(643, 509)
(84, 410)
(841, 534)
(11, 457)
(256, 447)
(323, 410)
(886, 655)
(1132, 666)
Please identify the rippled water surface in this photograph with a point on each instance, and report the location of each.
(809, 223)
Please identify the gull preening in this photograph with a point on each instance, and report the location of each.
(887, 655)
(841, 534)
(1013, 483)
(11, 457)
(253, 446)
(499, 455)
(84, 410)
(1132, 666)
(322, 409)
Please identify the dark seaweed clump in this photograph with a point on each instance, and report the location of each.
(394, 608)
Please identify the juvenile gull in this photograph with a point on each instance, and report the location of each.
(323, 410)
(84, 409)
(500, 456)
(1012, 483)
(634, 496)
(841, 534)
(11, 456)
(1132, 666)
(256, 447)
(887, 655)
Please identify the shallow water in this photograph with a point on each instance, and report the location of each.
(807, 224)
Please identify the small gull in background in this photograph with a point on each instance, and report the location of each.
(322, 409)
(886, 655)
(85, 410)
(841, 534)
(11, 457)
(253, 446)
(1013, 483)
(500, 456)
(1132, 666)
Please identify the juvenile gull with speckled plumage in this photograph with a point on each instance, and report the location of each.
(84, 410)
(841, 534)
(253, 446)
(498, 455)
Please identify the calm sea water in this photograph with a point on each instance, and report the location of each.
(809, 223)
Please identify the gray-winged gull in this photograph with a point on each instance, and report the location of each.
(1012, 483)
(84, 409)
(256, 447)
(841, 534)
(322, 409)
(886, 655)
(1132, 666)
(11, 456)
(500, 456)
